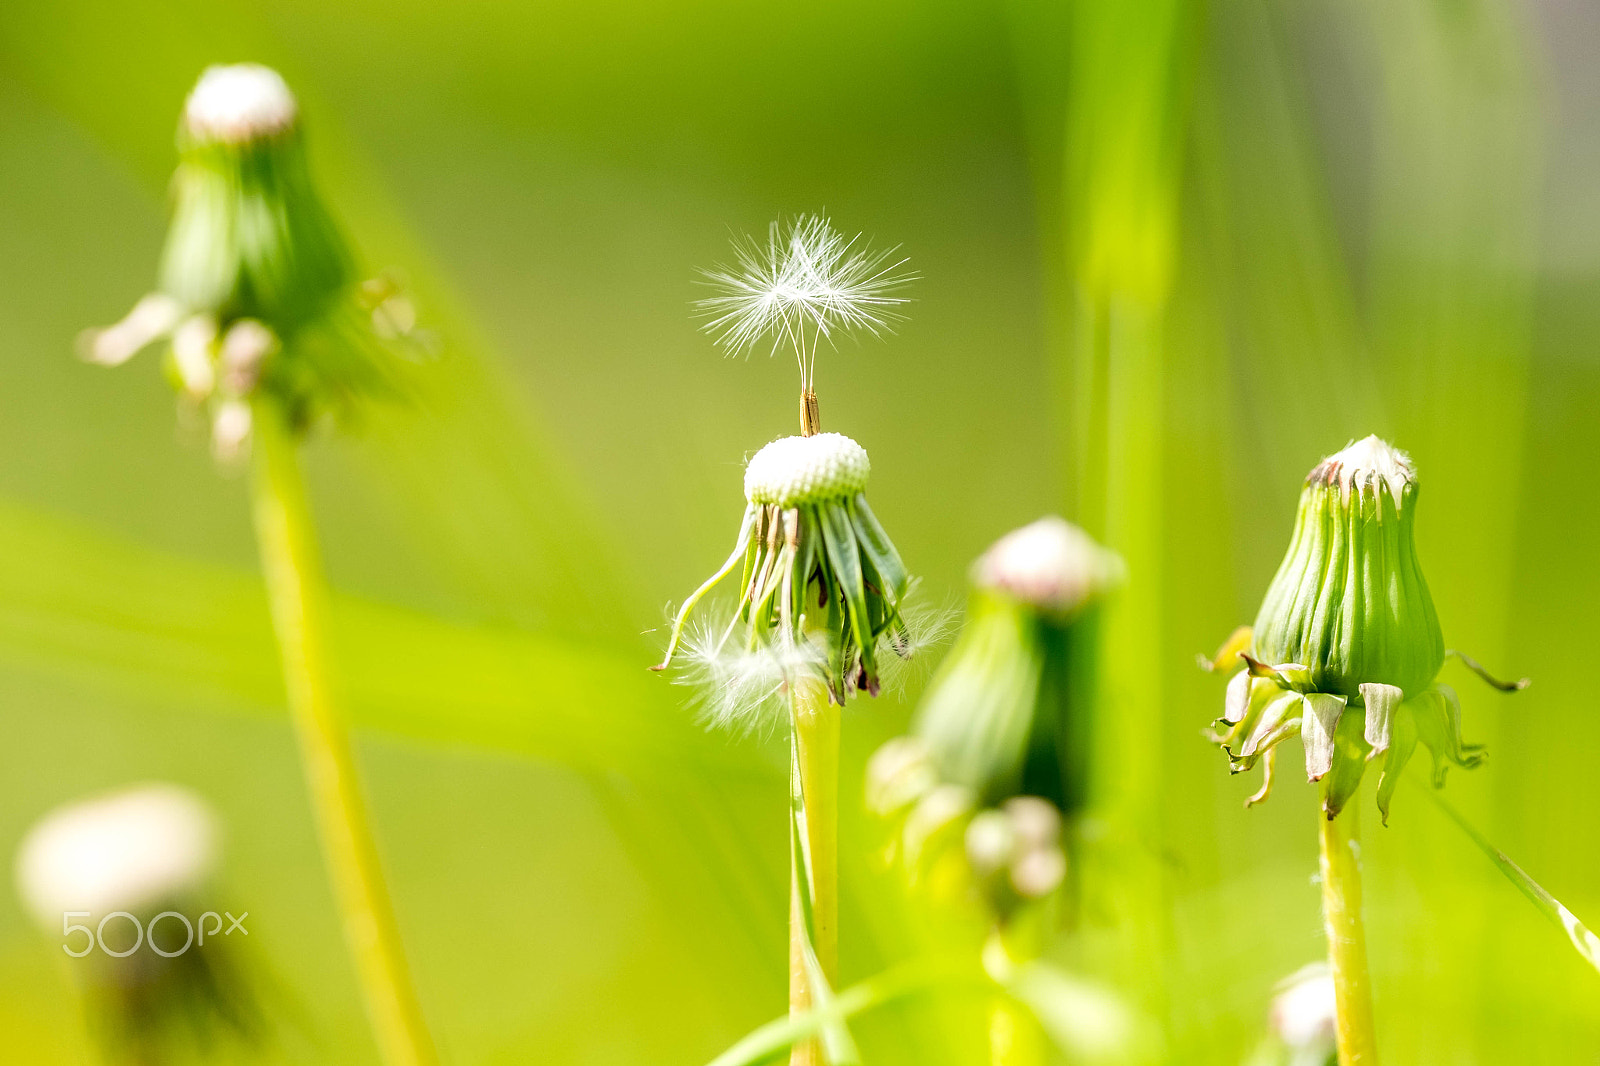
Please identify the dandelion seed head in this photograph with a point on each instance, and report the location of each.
(804, 283)
(793, 470)
(239, 103)
(128, 850)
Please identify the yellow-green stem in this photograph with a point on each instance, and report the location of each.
(297, 596)
(1347, 939)
(816, 765)
(1015, 1037)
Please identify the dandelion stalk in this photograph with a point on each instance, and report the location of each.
(821, 596)
(814, 796)
(267, 331)
(1347, 938)
(298, 601)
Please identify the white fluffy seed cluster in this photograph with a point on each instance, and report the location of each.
(798, 470)
(1364, 466)
(1304, 1013)
(239, 103)
(1050, 563)
(130, 850)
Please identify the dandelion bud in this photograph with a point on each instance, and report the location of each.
(1006, 713)
(1349, 601)
(1303, 1015)
(898, 774)
(1346, 646)
(129, 870)
(250, 237)
(823, 587)
(257, 288)
(991, 842)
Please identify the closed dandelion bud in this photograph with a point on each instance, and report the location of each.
(250, 238)
(1007, 712)
(898, 774)
(1347, 646)
(130, 870)
(1303, 1020)
(257, 288)
(1349, 601)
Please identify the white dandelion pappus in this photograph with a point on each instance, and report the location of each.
(801, 285)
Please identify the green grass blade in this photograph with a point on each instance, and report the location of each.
(1584, 942)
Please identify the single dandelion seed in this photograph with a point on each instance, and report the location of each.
(806, 283)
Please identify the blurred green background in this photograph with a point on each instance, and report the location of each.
(1383, 219)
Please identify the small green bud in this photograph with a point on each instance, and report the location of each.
(250, 238)
(1007, 712)
(1349, 601)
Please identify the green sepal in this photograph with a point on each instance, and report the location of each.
(845, 560)
(739, 552)
(1438, 718)
(1319, 725)
(1349, 761)
(1380, 702)
(1402, 743)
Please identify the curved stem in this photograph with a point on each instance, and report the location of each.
(1347, 941)
(814, 876)
(297, 597)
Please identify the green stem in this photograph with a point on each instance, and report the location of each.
(1347, 940)
(297, 596)
(815, 774)
(1015, 1036)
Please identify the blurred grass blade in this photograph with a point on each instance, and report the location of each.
(1584, 942)
(1087, 1022)
(901, 982)
(154, 626)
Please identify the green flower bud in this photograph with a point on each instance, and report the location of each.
(250, 238)
(1349, 601)
(823, 586)
(1007, 712)
(257, 291)
(1347, 645)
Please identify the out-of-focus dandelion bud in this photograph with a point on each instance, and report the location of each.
(252, 245)
(1302, 1022)
(898, 774)
(1347, 645)
(126, 875)
(1006, 714)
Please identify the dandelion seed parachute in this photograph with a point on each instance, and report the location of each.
(804, 283)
